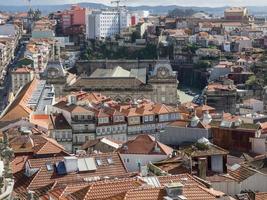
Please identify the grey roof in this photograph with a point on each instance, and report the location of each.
(56, 65)
(42, 96)
(120, 72)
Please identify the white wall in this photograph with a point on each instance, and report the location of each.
(257, 182)
(258, 145)
(131, 160)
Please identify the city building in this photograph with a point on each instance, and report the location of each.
(107, 23)
(222, 96)
(40, 174)
(20, 77)
(187, 131)
(251, 106)
(159, 85)
(75, 16)
(232, 134)
(10, 35)
(182, 186)
(236, 14)
(60, 130)
(44, 28)
(56, 75)
(141, 151)
(101, 145)
(93, 116)
(32, 100)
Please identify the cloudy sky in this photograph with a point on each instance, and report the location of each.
(209, 3)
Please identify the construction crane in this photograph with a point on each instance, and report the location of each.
(29, 4)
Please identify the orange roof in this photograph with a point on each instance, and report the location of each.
(145, 144)
(43, 178)
(133, 189)
(36, 144)
(261, 196)
(242, 173)
(18, 108)
(219, 86)
(23, 69)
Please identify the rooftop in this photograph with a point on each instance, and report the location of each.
(145, 144)
(48, 171)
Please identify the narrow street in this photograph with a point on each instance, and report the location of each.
(5, 88)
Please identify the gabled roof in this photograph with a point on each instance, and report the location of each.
(44, 177)
(145, 144)
(141, 188)
(163, 109)
(241, 173)
(18, 108)
(36, 145)
(106, 189)
(107, 141)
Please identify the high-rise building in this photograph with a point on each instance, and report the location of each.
(107, 23)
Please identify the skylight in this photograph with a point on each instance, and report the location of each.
(98, 161)
(49, 166)
(110, 161)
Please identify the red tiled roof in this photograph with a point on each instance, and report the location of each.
(242, 173)
(133, 188)
(18, 108)
(44, 177)
(23, 69)
(106, 189)
(261, 196)
(37, 145)
(144, 144)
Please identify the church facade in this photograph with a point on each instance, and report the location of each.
(159, 85)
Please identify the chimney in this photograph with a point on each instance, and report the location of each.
(30, 195)
(174, 191)
(202, 168)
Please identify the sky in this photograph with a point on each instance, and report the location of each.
(200, 3)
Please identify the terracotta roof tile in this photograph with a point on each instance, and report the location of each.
(242, 173)
(261, 196)
(144, 144)
(45, 177)
(18, 108)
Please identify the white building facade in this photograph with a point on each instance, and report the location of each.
(107, 23)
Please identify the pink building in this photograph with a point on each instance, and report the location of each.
(73, 17)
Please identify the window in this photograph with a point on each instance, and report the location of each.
(127, 160)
